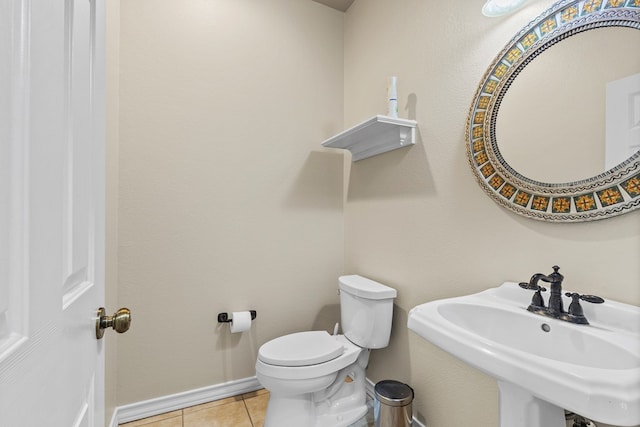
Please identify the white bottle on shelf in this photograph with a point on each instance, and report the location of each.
(392, 96)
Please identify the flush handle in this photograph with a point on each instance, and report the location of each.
(120, 321)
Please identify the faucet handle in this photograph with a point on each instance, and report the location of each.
(537, 301)
(531, 287)
(575, 309)
(592, 299)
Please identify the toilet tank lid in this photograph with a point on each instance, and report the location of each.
(365, 288)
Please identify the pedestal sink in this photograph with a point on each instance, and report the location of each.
(542, 365)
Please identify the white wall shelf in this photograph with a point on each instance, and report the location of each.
(375, 136)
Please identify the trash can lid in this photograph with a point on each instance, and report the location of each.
(393, 393)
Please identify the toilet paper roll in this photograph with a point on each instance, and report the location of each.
(240, 321)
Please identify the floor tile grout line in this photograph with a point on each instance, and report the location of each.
(244, 402)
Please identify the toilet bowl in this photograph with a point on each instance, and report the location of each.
(318, 380)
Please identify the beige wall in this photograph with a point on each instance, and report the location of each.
(416, 219)
(226, 199)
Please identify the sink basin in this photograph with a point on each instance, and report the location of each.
(561, 342)
(542, 365)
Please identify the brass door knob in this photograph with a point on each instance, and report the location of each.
(120, 321)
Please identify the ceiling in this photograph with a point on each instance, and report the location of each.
(341, 5)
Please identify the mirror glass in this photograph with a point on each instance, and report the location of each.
(552, 122)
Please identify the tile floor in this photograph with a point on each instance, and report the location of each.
(246, 410)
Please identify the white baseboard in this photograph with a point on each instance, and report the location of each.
(114, 419)
(370, 388)
(416, 423)
(161, 405)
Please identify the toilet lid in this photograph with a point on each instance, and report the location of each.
(301, 349)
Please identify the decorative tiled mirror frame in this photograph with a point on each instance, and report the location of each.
(611, 193)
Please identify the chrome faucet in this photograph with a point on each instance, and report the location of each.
(555, 308)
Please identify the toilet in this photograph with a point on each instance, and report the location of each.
(318, 380)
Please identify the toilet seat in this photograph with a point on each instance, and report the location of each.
(348, 355)
(301, 349)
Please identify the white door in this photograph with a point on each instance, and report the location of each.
(51, 212)
(623, 120)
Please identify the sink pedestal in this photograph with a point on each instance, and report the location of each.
(519, 408)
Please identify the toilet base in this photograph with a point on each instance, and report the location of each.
(297, 411)
(340, 405)
(345, 419)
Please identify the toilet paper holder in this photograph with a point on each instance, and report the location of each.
(224, 317)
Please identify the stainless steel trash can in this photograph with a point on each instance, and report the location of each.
(392, 404)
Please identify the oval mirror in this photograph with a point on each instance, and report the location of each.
(553, 138)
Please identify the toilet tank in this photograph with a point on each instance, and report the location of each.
(366, 309)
